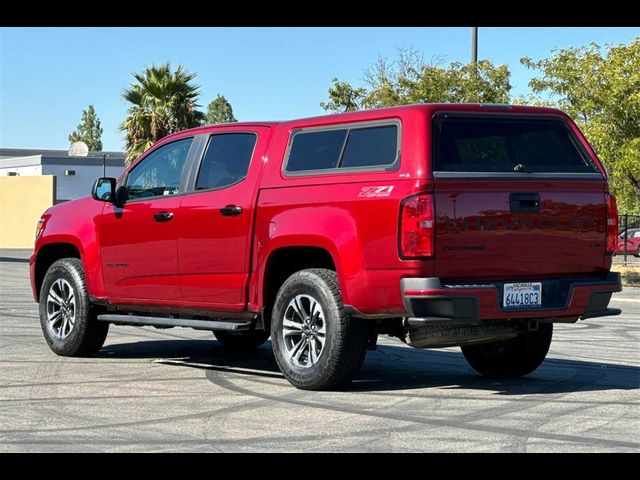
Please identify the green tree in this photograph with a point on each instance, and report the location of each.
(409, 79)
(162, 102)
(220, 111)
(600, 89)
(343, 97)
(88, 130)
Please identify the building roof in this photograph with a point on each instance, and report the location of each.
(25, 157)
(29, 152)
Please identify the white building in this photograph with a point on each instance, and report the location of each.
(74, 175)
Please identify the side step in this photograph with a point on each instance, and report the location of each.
(175, 322)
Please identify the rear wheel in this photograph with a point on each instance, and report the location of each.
(242, 341)
(67, 318)
(317, 346)
(511, 358)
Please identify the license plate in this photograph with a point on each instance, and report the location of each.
(522, 295)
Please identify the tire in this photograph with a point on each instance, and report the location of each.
(336, 344)
(511, 358)
(242, 341)
(75, 332)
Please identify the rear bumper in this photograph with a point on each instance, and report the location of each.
(429, 300)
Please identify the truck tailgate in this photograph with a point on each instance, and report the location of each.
(491, 229)
(516, 197)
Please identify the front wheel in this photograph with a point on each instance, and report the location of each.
(67, 318)
(511, 358)
(316, 344)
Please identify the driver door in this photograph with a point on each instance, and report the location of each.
(138, 242)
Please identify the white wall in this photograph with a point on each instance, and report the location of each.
(78, 185)
(29, 171)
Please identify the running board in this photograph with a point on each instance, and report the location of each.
(175, 322)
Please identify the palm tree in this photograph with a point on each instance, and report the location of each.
(162, 102)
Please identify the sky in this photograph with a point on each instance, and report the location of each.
(49, 75)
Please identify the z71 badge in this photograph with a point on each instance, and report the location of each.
(376, 192)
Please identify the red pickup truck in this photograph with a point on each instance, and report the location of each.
(471, 225)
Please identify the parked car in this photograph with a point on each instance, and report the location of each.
(472, 225)
(632, 241)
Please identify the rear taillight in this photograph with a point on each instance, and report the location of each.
(612, 223)
(417, 227)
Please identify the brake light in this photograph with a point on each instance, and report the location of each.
(417, 227)
(612, 223)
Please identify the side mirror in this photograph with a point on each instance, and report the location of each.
(104, 189)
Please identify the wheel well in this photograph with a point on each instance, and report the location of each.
(285, 262)
(49, 254)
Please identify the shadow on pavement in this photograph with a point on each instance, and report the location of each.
(14, 260)
(392, 368)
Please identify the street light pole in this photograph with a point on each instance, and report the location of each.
(474, 45)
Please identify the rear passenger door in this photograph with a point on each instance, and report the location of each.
(216, 219)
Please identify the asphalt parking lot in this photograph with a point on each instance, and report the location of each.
(178, 390)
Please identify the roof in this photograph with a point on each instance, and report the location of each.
(26, 157)
(29, 152)
(361, 115)
(425, 107)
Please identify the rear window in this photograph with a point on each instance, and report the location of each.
(481, 144)
(343, 148)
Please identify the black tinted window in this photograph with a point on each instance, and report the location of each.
(507, 145)
(343, 148)
(370, 147)
(226, 160)
(316, 150)
(159, 172)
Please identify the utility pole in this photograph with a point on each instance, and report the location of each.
(474, 45)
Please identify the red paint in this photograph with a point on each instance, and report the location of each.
(202, 260)
(214, 249)
(140, 255)
(567, 237)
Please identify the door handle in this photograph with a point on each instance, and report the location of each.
(524, 202)
(163, 216)
(230, 211)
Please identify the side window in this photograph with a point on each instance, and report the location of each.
(160, 172)
(345, 147)
(226, 160)
(368, 147)
(316, 150)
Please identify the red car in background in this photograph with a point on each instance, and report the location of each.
(633, 242)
